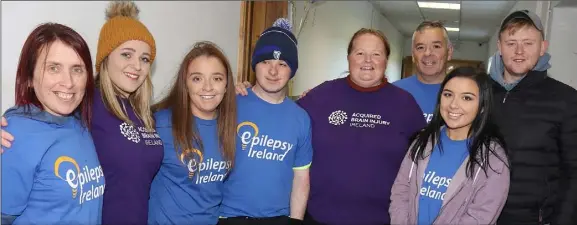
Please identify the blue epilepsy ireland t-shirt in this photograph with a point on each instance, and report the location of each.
(51, 173)
(188, 186)
(273, 140)
(438, 175)
(424, 94)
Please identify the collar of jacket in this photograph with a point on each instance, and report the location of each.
(533, 77)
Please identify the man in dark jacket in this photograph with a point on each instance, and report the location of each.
(538, 118)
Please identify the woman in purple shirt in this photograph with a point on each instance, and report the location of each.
(129, 149)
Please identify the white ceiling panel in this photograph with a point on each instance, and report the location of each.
(477, 20)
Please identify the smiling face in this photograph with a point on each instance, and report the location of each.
(59, 79)
(459, 104)
(206, 84)
(272, 75)
(521, 49)
(431, 51)
(129, 65)
(367, 60)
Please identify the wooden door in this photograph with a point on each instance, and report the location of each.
(465, 63)
(408, 67)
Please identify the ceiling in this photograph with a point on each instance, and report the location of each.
(566, 3)
(477, 20)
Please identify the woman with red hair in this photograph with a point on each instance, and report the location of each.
(56, 178)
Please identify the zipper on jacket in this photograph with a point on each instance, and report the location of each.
(540, 216)
(505, 98)
(542, 205)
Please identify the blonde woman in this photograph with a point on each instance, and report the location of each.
(129, 149)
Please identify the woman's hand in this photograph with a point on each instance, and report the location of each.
(7, 138)
(240, 88)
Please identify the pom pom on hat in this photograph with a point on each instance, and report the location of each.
(122, 25)
(283, 23)
(122, 8)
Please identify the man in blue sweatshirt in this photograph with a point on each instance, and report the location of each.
(431, 49)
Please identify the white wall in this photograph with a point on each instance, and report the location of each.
(325, 36)
(396, 40)
(466, 50)
(175, 26)
(562, 45)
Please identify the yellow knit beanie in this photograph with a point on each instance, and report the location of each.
(122, 25)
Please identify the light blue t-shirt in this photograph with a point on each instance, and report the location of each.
(438, 175)
(188, 187)
(273, 140)
(51, 173)
(424, 94)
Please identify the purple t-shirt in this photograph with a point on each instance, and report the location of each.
(130, 156)
(359, 140)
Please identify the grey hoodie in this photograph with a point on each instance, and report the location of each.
(32, 112)
(477, 200)
(498, 68)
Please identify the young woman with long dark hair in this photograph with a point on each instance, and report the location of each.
(456, 170)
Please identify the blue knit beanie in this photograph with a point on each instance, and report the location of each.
(277, 42)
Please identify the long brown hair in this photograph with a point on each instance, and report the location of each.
(178, 100)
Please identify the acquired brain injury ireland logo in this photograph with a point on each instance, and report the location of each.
(338, 117)
(129, 132)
